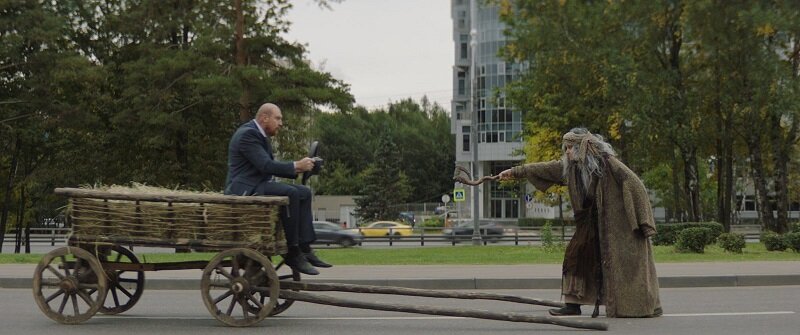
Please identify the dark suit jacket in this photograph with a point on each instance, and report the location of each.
(251, 163)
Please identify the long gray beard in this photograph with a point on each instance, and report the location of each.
(585, 171)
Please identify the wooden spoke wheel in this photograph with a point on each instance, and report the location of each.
(124, 287)
(69, 285)
(284, 273)
(231, 282)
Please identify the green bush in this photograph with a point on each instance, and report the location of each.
(433, 222)
(540, 222)
(731, 242)
(549, 243)
(692, 240)
(793, 240)
(773, 241)
(795, 227)
(667, 233)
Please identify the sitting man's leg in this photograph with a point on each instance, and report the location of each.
(306, 233)
(291, 226)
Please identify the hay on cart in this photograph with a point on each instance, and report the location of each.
(146, 215)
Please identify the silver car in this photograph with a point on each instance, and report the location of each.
(331, 233)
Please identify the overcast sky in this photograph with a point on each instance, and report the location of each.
(387, 50)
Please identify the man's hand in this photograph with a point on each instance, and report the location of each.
(303, 165)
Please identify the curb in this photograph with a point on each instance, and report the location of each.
(479, 283)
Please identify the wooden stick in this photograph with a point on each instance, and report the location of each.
(478, 314)
(304, 286)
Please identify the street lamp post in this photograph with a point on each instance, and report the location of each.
(473, 43)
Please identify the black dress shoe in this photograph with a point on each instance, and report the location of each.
(569, 309)
(300, 264)
(312, 258)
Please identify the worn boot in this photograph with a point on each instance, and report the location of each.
(296, 260)
(312, 258)
(569, 309)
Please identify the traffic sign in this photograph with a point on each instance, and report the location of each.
(445, 198)
(459, 195)
(528, 198)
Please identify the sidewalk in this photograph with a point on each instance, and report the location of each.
(467, 277)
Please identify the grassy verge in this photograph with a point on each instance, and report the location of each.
(464, 255)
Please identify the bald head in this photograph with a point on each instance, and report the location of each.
(267, 109)
(270, 118)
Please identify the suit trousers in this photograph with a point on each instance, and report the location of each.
(297, 219)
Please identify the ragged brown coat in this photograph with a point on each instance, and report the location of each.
(630, 283)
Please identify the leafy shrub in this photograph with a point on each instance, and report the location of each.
(692, 240)
(549, 243)
(539, 222)
(793, 241)
(795, 227)
(731, 242)
(667, 234)
(433, 222)
(773, 241)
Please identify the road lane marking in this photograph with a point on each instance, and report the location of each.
(733, 313)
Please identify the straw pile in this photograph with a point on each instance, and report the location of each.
(147, 215)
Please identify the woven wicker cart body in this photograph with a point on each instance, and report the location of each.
(196, 221)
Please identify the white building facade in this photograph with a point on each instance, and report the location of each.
(479, 110)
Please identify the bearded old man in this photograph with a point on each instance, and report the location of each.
(609, 260)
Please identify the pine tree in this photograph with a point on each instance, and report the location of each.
(384, 184)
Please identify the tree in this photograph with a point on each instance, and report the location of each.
(147, 91)
(384, 184)
(420, 132)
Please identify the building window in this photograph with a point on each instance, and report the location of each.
(462, 83)
(465, 138)
(512, 208)
(463, 50)
(504, 200)
(496, 210)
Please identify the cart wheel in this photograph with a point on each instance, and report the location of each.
(125, 287)
(69, 275)
(284, 272)
(240, 274)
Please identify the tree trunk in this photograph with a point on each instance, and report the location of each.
(691, 183)
(728, 207)
(677, 210)
(760, 184)
(782, 142)
(780, 184)
(12, 171)
(724, 154)
(241, 60)
(20, 220)
(182, 154)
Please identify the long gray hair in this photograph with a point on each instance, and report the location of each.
(588, 150)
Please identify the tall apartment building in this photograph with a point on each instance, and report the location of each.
(479, 104)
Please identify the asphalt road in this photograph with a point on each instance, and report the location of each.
(728, 311)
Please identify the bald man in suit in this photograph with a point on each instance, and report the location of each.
(252, 169)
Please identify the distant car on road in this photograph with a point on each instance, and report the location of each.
(407, 218)
(331, 233)
(386, 228)
(464, 229)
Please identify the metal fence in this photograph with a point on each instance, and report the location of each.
(419, 235)
(53, 236)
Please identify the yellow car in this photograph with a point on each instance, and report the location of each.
(385, 228)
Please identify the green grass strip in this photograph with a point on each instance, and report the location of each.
(465, 255)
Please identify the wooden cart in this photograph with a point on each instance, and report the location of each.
(240, 286)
